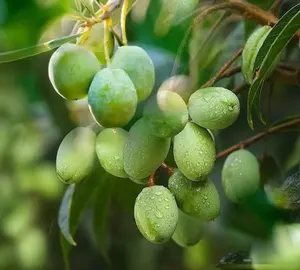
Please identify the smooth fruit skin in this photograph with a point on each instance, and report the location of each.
(156, 214)
(94, 41)
(199, 200)
(180, 84)
(189, 230)
(166, 114)
(214, 108)
(76, 155)
(240, 175)
(139, 67)
(144, 152)
(194, 152)
(112, 98)
(251, 49)
(109, 148)
(71, 70)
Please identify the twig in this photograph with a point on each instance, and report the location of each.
(230, 72)
(151, 181)
(166, 167)
(258, 137)
(275, 7)
(223, 69)
(237, 90)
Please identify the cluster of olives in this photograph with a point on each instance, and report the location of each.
(174, 115)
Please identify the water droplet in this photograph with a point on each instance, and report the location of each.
(158, 214)
(166, 199)
(152, 197)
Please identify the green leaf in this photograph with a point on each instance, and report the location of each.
(35, 50)
(75, 201)
(101, 211)
(271, 49)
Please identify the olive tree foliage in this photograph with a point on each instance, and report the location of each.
(164, 137)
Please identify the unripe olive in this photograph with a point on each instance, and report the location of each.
(112, 98)
(156, 214)
(143, 152)
(240, 175)
(180, 84)
(252, 46)
(198, 199)
(194, 152)
(76, 155)
(109, 148)
(139, 67)
(166, 114)
(142, 181)
(214, 107)
(94, 41)
(71, 70)
(189, 230)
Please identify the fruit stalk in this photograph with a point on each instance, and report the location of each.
(123, 21)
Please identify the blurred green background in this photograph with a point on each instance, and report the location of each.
(34, 119)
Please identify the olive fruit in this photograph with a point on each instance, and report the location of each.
(180, 84)
(139, 67)
(76, 155)
(112, 98)
(71, 70)
(194, 152)
(214, 108)
(251, 49)
(143, 152)
(109, 148)
(94, 41)
(189, 230)
(142, 181)
(198, 199)
(166, 114)
(156, 214)
(240, 175)
(281, 251)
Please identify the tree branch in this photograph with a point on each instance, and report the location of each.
(258, 137)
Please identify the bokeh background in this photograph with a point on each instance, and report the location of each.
(34, 119)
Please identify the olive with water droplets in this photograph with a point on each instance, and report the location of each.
(144, 152)
(194, 152)
(195, 198)
(109, 148)
(240, 175)
(214, 107)
(156, 214)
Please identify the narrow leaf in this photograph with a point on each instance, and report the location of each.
(71, 210)
(101, 210)
(64, 214)
(270, 51)
(35, 50)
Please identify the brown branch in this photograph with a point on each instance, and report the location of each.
(166, 167)
(151, 181)
(275, 7)
(230, 72)
(226, 66)
(258, 137)
(237, 90)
